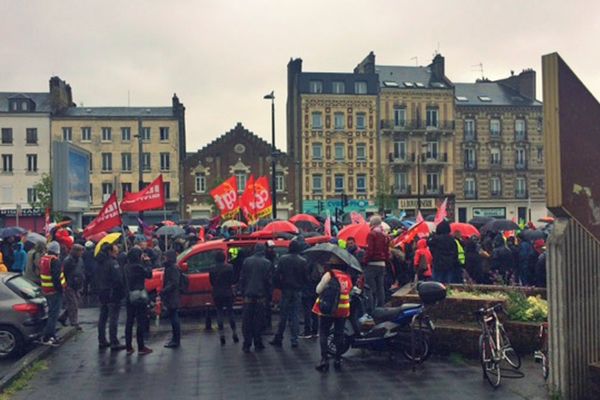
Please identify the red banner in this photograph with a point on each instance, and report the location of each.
(247, 202)
(226, 198)
(108, 218)
(263, 203)
(152, 197)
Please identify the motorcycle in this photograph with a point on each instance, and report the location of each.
(405, 329)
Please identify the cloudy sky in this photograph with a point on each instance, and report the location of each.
(222, 56)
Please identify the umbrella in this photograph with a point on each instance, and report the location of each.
(35, 238)
(233, 223)
(110, 238)
(531, 235)
(12, 231)
(478, 222)
(547, 220)
(168, 223)
(173, 230)
(280, 226)
(358, 231)
(306, 218)
(323, 252)
(498, 225)
(264, 222)
(466, 230)
(305, 226)
(430, 218)
(97, 237)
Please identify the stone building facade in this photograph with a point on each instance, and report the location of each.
(499, 143)
(238, 153)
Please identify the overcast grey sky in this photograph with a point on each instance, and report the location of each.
(221, 57)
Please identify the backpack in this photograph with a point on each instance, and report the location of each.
(76, 277)
(184, 282)
(422, 266)
(330, 297)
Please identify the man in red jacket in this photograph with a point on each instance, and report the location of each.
(376, 256)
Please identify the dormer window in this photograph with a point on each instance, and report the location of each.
(21, 103)
(24, 106)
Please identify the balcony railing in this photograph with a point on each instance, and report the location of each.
(520, 136)
(521, 194)
(430, 190)
(470, 135)
(430, 157)
(521, 165)
(398, 158)
(416, 124)
(400, 190)
(496, 193)
(470, 165)
(470, 195)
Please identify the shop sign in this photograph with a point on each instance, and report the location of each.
(490, 212)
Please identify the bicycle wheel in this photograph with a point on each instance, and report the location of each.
(510, 355)
(331, 345)
(545, 366)
(489, 361)
(421, 349)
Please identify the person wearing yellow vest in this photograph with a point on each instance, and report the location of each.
(53, 285)
(338, 319)
(457, 273)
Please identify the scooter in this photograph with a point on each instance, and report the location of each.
(405, 329)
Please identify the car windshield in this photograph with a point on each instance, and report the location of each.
(24, 288)
(184, 253)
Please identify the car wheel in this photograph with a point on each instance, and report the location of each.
(11, 342)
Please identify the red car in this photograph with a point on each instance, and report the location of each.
(199, 259)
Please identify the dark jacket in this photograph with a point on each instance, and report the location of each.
(443, 248)
(222, 279)
(89, 263)
(293, 269)
(540, 271)
(109, 279)
(502, 257)
(170, 293)
(378, 246)
(73, 269)
(136, 275)
(255, 278)
(55, 270)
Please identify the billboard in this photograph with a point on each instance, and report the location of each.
(70, 178)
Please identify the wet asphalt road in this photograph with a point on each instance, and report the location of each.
(203, 369)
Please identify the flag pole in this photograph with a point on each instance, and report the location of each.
(122, 226)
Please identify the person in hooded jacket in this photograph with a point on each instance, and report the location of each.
(526, 254)
(422, 258)
(20, 258)
(222, 279)
(89, 269)
(170, 296)
(32, 268)
(136, 274)
(502, 262)
(444, 251)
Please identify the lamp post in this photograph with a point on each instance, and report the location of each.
(271, 96)
(140, 161)
(423, 146)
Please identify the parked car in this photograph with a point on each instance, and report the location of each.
(23, 313)
(199, 259)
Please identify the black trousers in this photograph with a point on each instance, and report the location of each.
(175, 324)
(136, 314)
(253, 321)
(325, 324)
(109, 312)
(311, 320)
(224, 308)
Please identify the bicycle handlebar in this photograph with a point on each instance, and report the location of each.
(485, 311)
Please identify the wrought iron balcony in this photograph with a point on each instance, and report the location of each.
(470, 195)
(521, 194)
(432, 158)
(521, 165)
(470, 135)
(430, 190)
(401, 190)
(470, 165)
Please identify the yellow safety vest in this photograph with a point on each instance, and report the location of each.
(461, 252)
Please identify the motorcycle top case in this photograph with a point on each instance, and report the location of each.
(431, 292)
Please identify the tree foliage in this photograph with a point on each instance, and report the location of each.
(44, 192)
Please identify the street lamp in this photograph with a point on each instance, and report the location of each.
(140, 161)
(423, 147)
(271, 96)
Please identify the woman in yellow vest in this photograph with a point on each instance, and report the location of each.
(2, 265)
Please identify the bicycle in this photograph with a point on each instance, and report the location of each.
(541, 355)
(494, 345)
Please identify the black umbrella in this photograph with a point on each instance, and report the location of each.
(12, 231)
(322, 252)
(478, 222)
(173, 231)
(531, 235)
(499, 225)
(305, 226)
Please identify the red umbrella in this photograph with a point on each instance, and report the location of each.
(305, 217)
(168, 223)
(467, 230)
(280, 226)
(358, 231)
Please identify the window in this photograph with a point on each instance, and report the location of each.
(7, 136)
(106, 134)
(202, 262)
(316, 86)
(125, 188)
(432, 150)
(126, 162)
(338, 118)
(360, 121)
(401, 181)
(520, 129)
(32, 163)
(521, 187)
(240, 177)
(200, 183)
(317, 183)
(400, 150)
(146, 161)
(339, 183)
(317, 120)
(361, 183)
(91, 193)
(167, 189)
(125, 134)
(496, 186)
(317, 151)
(107, 190)
(540, 154)
(146, 134)
(165, 161)
(495, 127)
(495, 156)
(106, 162)
(279, 182)
(7, 164)
(470, 158)
(86, 134)
(32, 196)
(399, 117)
(31, 136)
(470, 187)
(164, 134)
(521, 158)
(361, 151)
(432, 118)
(433, 180)
(469, 129)
(14, 106)
(360, 87)
(67, 134)
(339, 151)
(338, 87)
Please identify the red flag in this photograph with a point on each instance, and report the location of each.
(357, 218)
(152, 197)
(248, 203)
(47, 221)
(327, 230)
(226, 198)
(202, 234)
(263, 203)
(419, 217)
(441, 213)
(420, 229)
(108, 218)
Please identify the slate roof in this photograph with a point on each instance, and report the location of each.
(328, 78)
(400, 75)
(41, 100)
(115, 112)
(499, 95)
